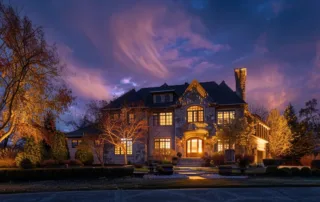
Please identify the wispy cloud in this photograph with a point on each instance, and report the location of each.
(152, 37)
(86, 82)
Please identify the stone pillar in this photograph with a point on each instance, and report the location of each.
(241, 78)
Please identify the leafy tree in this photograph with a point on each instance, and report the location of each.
(302, 142)
(31, 81)
(237, 132)
(280, 135)
(31, 151)
(118, 131)
(84, 153)
(59, 147)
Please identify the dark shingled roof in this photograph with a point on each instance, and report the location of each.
(221, 94)
(88, 130)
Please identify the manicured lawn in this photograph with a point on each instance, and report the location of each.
(143, 170)
(140, 183)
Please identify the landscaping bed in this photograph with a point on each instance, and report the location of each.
(64, 173)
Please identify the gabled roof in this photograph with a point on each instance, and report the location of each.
(221, 94)
(88, 130)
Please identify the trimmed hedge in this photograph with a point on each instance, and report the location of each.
(315, 164)
(165, 169)
(305, 172)
(272, 162)
(64, 173)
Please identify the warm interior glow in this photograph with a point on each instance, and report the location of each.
(196, 178)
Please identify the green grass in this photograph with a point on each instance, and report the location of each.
(143, 169)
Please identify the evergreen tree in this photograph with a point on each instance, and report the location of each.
(59, 147)
(302, 141)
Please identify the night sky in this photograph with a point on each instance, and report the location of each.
(111, 46)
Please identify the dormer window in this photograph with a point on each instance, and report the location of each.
(167, 98)
(158, 98)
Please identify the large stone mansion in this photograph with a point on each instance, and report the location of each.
(182, 118)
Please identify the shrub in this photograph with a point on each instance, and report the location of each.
(8, 153)
(216, 159)
(316, 172)
(174, 160)
(32, 151)
(7, 163)
(306, 160)
(225, 170)
(165, 169)
(49, 163)
(179, 154)
(315, 164)
(85, 156)
(64, 173)
(245, 160)
(272, 162)
(59, 147)
(138, 165)
(305, 172)
(284, 172)
(166, 162)
(71, 162)
(26, 164)
(295, 171)
(271, 170)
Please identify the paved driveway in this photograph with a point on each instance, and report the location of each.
(177, 195)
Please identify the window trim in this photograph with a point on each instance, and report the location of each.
(164, 141)
(223, 117)
(195, 113)
(126, 140)
(74, 145)
(158, 117)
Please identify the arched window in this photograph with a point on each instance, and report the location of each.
(195, 114)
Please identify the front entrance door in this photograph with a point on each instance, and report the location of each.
(194, 147)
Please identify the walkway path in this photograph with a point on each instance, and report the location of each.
(308, 194)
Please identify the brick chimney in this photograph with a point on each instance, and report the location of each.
(241, 79)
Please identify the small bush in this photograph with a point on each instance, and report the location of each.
(85, 156)
(165, 162)
(272, 162)
(315, 164)
(49, 163)
(64, 173)
(271, 170)
(26, 164)
(306, 160)
(215, 160)
(163, 154)
(7, 163)
(174, 160)
(165, 169)
(295, 171)
(8, 153)
(138, 165)
(179, 154)
(305, 172)
(316, 172)
(284, 172)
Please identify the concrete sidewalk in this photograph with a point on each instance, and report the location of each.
(309, 194)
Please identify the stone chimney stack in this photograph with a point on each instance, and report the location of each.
(241, 79)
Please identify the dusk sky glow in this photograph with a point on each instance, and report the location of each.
(111, 46)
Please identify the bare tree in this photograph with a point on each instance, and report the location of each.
(125, 128)
(98, 145)
(259, 110)
(29, 76)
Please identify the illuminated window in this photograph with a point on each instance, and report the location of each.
(225, 117)
(162, 144)
(195, 114)
(75, 143)
(130, 118)
(220, 146)
(162, 119)
(126, 144)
